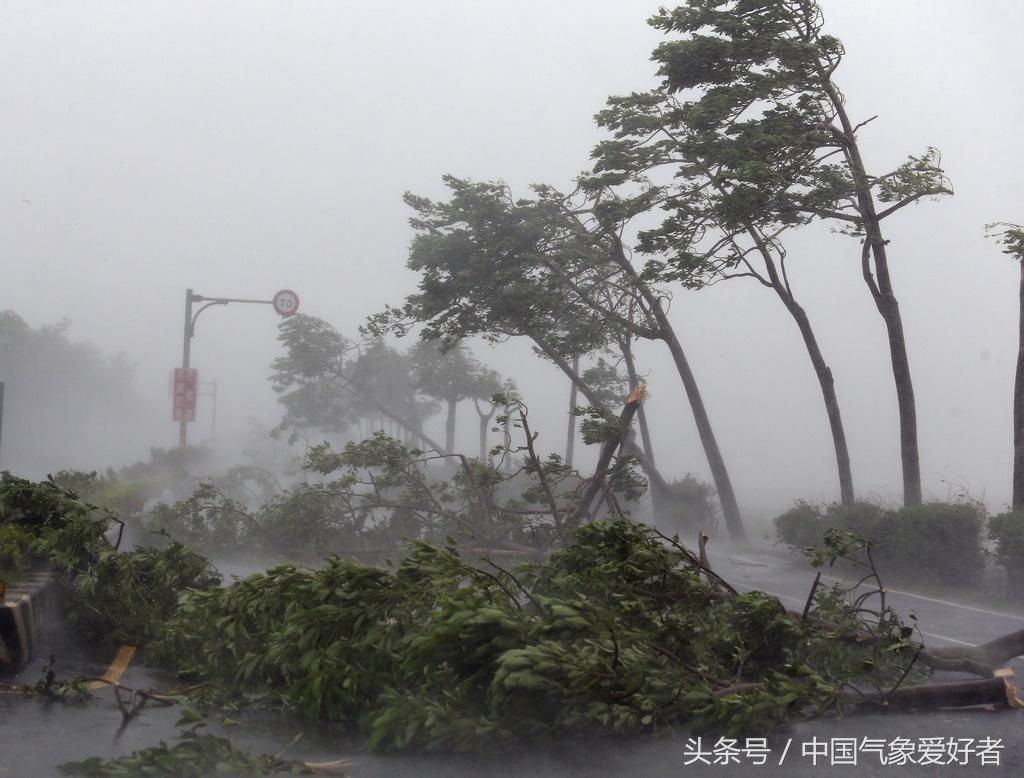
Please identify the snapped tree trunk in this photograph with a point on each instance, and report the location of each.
(601, 472)
(716, 463)
(641, 414)
(661, 490)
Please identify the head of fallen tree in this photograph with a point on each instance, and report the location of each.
(614, 627)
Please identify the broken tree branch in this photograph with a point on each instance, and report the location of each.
(607, 451)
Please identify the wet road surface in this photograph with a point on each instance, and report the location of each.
(35, 737)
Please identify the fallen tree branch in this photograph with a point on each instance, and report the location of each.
(955, 694)
(987, 656)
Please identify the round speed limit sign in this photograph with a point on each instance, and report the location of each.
(286, 302)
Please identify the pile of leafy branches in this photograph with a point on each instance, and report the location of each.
(196, 755)
(115, 596)
(619, 632)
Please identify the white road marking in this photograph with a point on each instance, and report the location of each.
(938, 601)
(804, 602)
(735, 559)
(951, 640)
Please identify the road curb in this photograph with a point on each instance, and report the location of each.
(26, 606)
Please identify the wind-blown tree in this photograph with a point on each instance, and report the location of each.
(492, 291)
(326, 381)
(777, 144)
(310, 378)
(451, 374)
(485, 385)
(585, 254)
(497, 267)
(606, 379)
(389, 388)
(704, 239)
(1011, 238)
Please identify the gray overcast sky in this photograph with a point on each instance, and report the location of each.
(241, 147)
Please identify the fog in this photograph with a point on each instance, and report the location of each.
(238, 148)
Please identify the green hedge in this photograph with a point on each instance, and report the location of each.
(1007, 530)
(934, 543)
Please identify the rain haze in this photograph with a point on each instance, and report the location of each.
(399, 601)
(239, 148)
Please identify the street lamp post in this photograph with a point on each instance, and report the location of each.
(285, 302)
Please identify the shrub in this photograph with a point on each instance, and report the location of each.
(693, 503)
(801, 526)
(805, 523)
(1007, 530)
(931, 543)
(862, 518)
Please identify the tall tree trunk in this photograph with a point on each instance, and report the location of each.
(719, 473)
(828, 393)
(780, 284)
(483, 437)
(570, 433)
(449, 427)
(485, 419)
(1018, 410)
(880, 285)
(889, 308)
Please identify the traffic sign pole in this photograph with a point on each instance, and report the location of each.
(285, 303)
(186, 354)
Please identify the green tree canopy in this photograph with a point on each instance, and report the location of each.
(749, 134)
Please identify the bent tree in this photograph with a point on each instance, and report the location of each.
(756, 77)
(497, 267)
(585, 252)
(708, 235)
(468, 289)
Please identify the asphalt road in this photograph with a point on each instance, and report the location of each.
(35, 737)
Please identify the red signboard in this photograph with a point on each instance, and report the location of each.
(185, 382)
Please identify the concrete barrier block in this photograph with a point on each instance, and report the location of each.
(26, 606)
